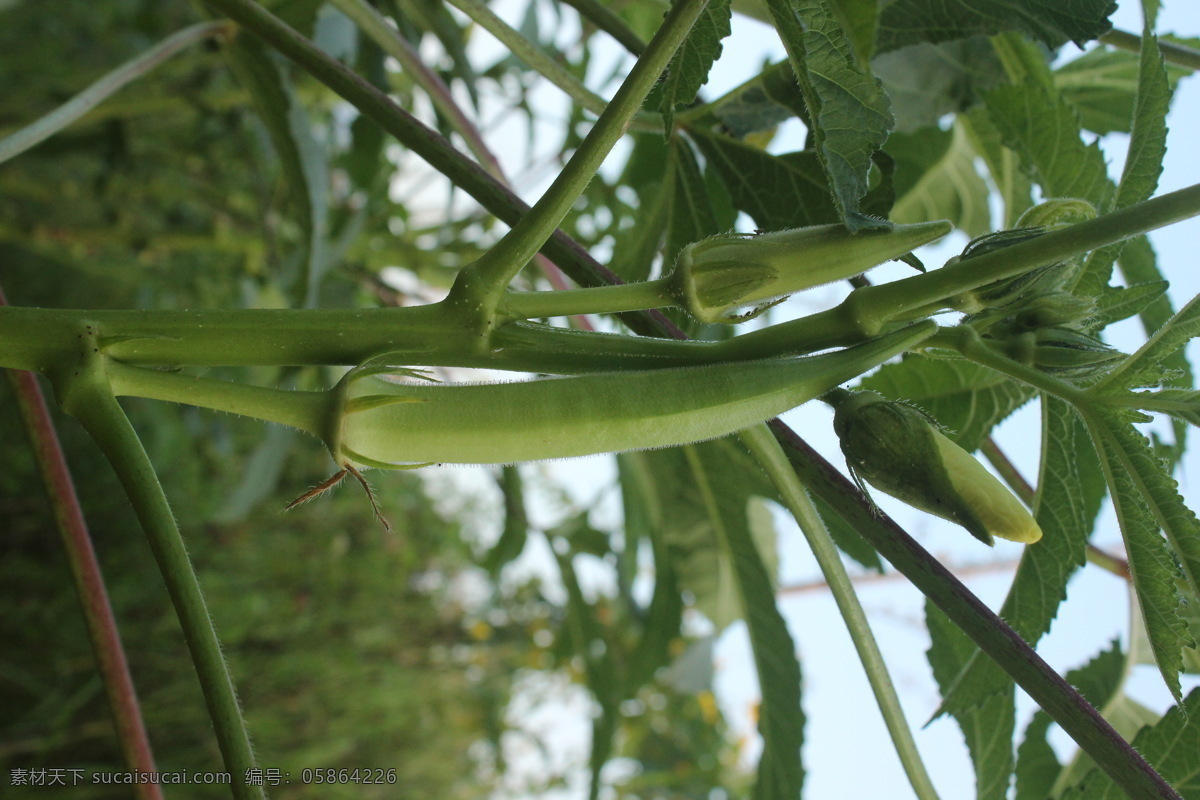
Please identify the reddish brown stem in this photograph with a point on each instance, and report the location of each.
(89, 582)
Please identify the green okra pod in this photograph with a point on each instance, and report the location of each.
(716, 276)
(385, 422)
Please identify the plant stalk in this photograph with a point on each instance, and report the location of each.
(772, 459)
(84, 394)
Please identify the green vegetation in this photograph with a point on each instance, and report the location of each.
(218, 204)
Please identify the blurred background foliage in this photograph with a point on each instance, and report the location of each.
(351, 647)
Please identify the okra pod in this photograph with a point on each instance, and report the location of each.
(389, 424)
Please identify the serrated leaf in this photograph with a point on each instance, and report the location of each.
(703, 492)
(1045, 131)
(850, 113)
(1037, 763)
(1070, 491)
(1118, 303)
(1143, 161)
(988, 727)
(936, 179)
(909, 21)
(1003, 164)
(1182, 404)
(689, 67)
(762, 103)
(1144, 497)
(691, 216)
(1148, 361)
(664, 616)
(928, 81)
(1102, 84)
(778, 192)
(781, 721)
(967, 399)
(1172, 746)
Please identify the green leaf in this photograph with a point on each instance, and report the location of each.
(910, 21)
(1037, 764)
(302, 158)
(1070, 492)
(860, 18)
(1145, 497)
(1102, 85)
(1182, 404)
(771, 97)
(689, 67)
(928, 81)
(936, 179)
(1003, 164)
(1045, 131)
(516, 522)
(988, 727)
(967, 399)
(1172, 746)
(1145, 367)
(691, 216)
(663, 618)
(850, 112)
(1118, 303)
(778, 192)
(703, 494)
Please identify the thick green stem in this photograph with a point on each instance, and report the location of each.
(993, 636)
(79, 105)
(83, 392)
(874, 306)
(480, 287)
(597, 300)
(772, 459)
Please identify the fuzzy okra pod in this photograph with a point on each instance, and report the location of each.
(386, 422)
(898, 450)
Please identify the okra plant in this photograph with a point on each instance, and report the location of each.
(245, 229)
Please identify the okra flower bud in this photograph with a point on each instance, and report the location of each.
(898, 450)
(717, 276)
(382, 421)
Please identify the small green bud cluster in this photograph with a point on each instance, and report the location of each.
(897, 449)
(715, 277)
(1034, 317)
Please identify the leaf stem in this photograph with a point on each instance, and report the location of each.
(772, 459)
(480, 286)
(1178, 54)
(79, 105)
(531, 54)
(608, 21)
(967, 342)
(83, 392)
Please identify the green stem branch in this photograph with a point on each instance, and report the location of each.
(772, 459)
(480, 286)
(1178, 54)
(83, 392)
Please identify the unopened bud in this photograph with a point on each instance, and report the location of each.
(898, 450)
